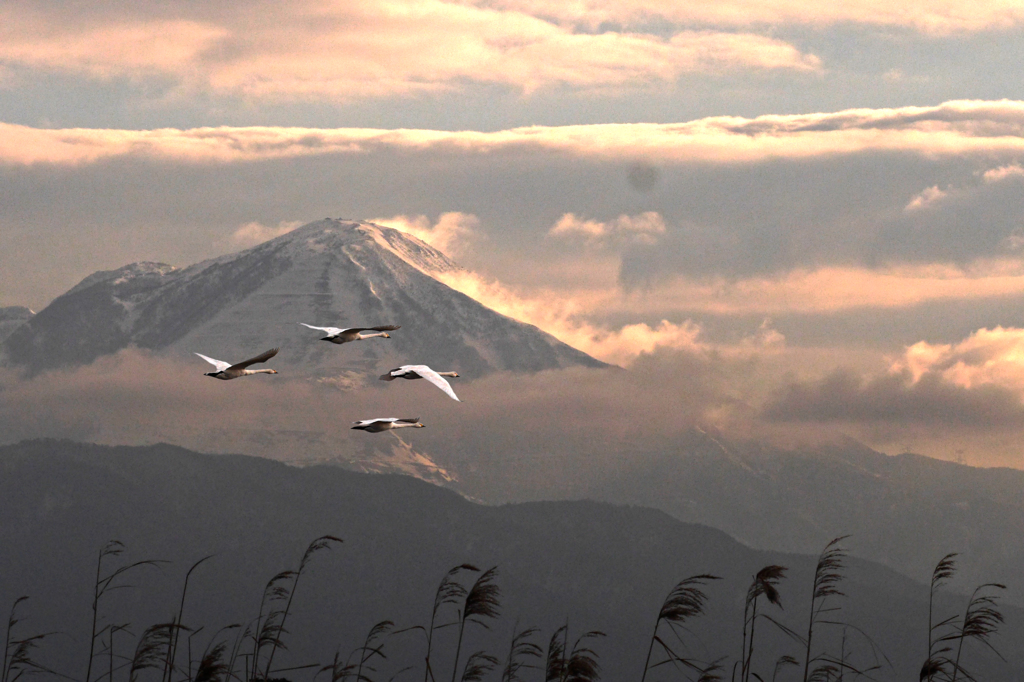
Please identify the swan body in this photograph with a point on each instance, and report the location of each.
(226, 371)
(387, 424)
(423, 372)
(336, 335)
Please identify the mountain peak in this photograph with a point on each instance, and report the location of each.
(331, 273)
(337, 234)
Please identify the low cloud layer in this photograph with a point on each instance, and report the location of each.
(961, 400)
(529, 425)
(846, 196)
(931, 17)
(951, 129)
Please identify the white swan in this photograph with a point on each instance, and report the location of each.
(387, 423)
(423, 372)
(226, 370)
(336, 335)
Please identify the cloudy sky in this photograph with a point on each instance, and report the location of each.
(833, 192)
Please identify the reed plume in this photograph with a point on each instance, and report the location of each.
(686, 600)
(520, 651)
(938, 661)
(450, 591)
(151, 651)
(18, 659)
(764, 585)
(477, 665)
(109, 583)
(212, 667)
(827, 575)
(321, 543)
(172, 650)
(781, 662)
(268, 629)
(981, 620)
(365, 654)
(12, 621)
(482, 603)
(578, 664)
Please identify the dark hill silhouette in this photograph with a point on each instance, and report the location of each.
(601, 566)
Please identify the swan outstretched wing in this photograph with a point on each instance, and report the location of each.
(337, 331)
(407, 420)
(219, 364)
(333, 331)
(262, 357)
(394, 373)
(434, 378)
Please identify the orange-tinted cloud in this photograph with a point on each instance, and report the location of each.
(834, 289)
(930, 16)
(361, 48)
(643, 228)
(453, 232)
(955, 128)
(988, 357)
(565, 317)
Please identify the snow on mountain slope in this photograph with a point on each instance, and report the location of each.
(327, 273)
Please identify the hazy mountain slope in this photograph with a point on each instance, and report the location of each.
(905, 511)
(329, 273)
(11, 318)
(596, 565)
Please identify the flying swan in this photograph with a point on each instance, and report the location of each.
(336, 335)
(423, 372)
(226, 370)
(387, 423)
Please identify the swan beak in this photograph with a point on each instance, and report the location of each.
(386, 335)
(421, 426)
(456, 374)
(273, 371)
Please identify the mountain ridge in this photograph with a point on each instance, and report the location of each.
(603, 566)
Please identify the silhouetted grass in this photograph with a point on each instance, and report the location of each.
(482, 604)
(457, 604)
(764, 585)
(686, 600)
(108, 583)
(520, 651)
(450, 592)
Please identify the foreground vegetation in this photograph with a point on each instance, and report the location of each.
(468, 600)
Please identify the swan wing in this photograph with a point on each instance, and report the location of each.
(262, 357)
(436, 379)
(333, 331)
(367, 422)
(395, 373)
(409, 420)
(356, 330)
(219, 364)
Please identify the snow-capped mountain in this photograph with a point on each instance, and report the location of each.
(328, 273)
